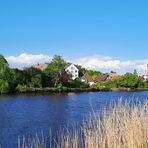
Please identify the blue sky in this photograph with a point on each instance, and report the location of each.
(76, 29)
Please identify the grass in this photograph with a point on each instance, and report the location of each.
(125, 125)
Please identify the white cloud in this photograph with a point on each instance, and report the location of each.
(25, 59)
(96, 62)
(108, 63)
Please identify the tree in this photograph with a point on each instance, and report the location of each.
(129, 80)
(93, 74)
(77, 83)
(113, 72)
(19, 77)
(6, 76)
(3, 62)
(55, 69)
(4, 86)
(135, 72)
(64, 77)
(33, 77)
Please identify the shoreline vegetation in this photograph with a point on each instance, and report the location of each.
(123, 125)
(54, 78)
(76, 90)
(30, 90)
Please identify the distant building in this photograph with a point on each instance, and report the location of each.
(114, 76)
(72, 70)
(146, 76)
(87, 79)
(40, 66)
(102, 78)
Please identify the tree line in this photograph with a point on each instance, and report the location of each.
(128, 80)
(54, 77)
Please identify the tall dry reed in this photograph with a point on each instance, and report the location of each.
(123, 125)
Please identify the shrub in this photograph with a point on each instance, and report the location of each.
(4, 86)
(77, 83)
(21, 88)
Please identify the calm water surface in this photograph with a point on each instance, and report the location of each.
(30, 114)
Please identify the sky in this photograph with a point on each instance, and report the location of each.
(98, 34)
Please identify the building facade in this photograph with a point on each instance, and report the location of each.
(72, 70)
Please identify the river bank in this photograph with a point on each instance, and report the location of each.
(76, 90)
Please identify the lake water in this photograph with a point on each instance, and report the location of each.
(33, 113)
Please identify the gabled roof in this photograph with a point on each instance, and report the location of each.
(40, 66)
(67, 65)
(87, 78)
(102, 78)
(115, 76)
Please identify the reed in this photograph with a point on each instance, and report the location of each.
(123, 125)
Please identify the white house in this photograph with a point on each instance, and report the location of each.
(73, 70)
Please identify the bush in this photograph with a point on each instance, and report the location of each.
(4, 86)
(77, 83)
(98, 86)
(21, 88)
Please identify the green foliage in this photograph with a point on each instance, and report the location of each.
(93, 74)
(4, 86)
(33, 77)
(36, 81)
(3, 62)
(19, 77)
(112, 84)
(54, 69)
(6, 77)
(98, 86)
(135, 72)
(77, 83)
(21, 88)
(54, 78)
(129, 80)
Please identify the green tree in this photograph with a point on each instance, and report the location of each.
(113, 72)
(129, 80)
(3, 62)
(55, 68)
(135, 72)
(6, 77)
(77, 83)
(93, 74)
(4, 86)
(33, 77)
